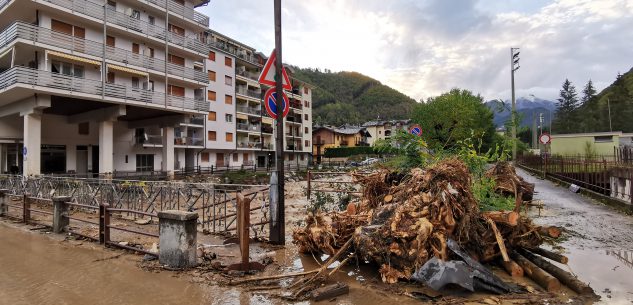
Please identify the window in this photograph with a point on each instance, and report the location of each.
(307, 144)
(236, 157)
(150, 86)
(176, 30)
(228, 61)
(110, 41)
(212, 116)
(229, 137)
(204, 157)
(176, 60)
(291, 157)
(211, 95)
(603, 139)
(301, 157)
(228, 117)
(110, 78)
(211, 56)
(305, 90)
(176, 90)
(211, 76)
(306, 130)
(245, 158)
(84, 128)
(67, 69)
(305, 116)
(151, 20)
(68, 29)
(228, 99)
(135, 82)
(228, 80)
(150, 52)
(136, 48)
(144, 163)
(136, 14)
(211, 135)
(379, 131)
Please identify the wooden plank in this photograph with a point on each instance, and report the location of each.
(330, 291)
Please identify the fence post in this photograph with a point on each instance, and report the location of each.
(4, 209)
(104, 224)
(545, 167)
(309, 185)
(177, 238)
(60, 214)
(211, 169)
(26, 209)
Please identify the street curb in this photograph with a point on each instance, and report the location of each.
(615, 204)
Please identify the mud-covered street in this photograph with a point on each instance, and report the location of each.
(598, 240)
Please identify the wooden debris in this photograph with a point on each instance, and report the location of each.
(512, 268)
(330, 291)
(541, 277)
(552, 231)
(510, 218)
(273, 277)
(565, 277)
(388, 198)
(500, 242)
(551, 255)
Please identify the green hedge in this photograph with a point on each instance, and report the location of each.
(341, 152)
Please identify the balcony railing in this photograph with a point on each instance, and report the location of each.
(148, 140)
(294, 147)
(248, 74)
(295, 135)
(95, 10)
(254, 145)
(114, 92)
(194, 121)
(29, 32)
(185, 12)
(251, 93)
(250, 110)
(234, 51)
(248, 127)
(4, 3)
(189, 141)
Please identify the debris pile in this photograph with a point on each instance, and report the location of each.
(403, 222)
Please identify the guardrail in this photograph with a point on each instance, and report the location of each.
(249, 110)
(118, 93)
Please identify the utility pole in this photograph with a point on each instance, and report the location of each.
(514, 65)
(534, 131)
(609, 108)
(278, 226)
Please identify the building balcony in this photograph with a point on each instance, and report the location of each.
(248, 127)
(195, 121)
(186, 12)
(53, 40)
(293, 119)
(239, 54)
(253, 76)
(294, 135)
(291, 147)
(63, 85)
(246, 92)
(189, 141)
(149, 140)
(267, 129)
(249, 110)
(254, 145)
(130, 23)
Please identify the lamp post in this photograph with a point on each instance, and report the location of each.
(514, 65)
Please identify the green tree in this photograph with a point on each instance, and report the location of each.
(567, 103)
(588, 93)
(455, 116)
(620, 100)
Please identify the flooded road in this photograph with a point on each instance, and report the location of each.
(599, 240)
(35, 269)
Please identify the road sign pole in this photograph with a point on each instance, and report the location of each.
(278, 228)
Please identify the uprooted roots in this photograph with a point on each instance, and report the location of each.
(402, 221)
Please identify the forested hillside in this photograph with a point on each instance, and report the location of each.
(350, 97)
(587, 111)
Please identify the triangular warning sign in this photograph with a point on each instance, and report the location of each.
(268, 73)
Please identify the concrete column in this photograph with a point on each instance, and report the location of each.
(168, 152)
(190, 159)
(32, 144)
(3, 159)
(60, 213)
(106, 150)
(178, 238)
(4, 209)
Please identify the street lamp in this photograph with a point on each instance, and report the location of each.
(514, 65)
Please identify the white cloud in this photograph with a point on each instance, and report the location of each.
(424, 48)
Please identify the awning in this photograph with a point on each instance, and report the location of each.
(74, 58)
(241, 116)
(127, 70)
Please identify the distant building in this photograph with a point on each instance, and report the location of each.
(324, 137)
(384, 129)
(600, 143)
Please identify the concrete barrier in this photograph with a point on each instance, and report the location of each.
(61, 218)
(4, 209)
(178, 238)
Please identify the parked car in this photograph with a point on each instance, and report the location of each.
(369, 161)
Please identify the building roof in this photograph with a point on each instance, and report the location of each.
(588, 134)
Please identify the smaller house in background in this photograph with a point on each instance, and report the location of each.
(324, 137)
(595, 143)
(384, 129)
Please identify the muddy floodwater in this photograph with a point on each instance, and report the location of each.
(35, 269)
(597, 239)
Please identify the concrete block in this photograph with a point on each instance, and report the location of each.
(60, 213)
(4, 209)
(178, 238)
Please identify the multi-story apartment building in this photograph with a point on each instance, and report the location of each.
(234, 64)
(101, 86)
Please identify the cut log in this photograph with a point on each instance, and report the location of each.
(500, 242)
(388, 198)
(565, 277)
(510, 218)
(512, 268)
(330, 291)
(551, 255)
(540, 276)
(552, 231)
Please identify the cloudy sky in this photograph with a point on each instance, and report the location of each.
(425, 47)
